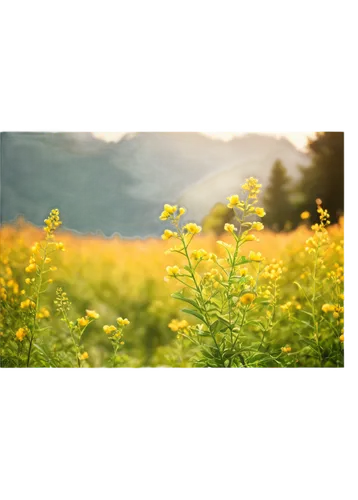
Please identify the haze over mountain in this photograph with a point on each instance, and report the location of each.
(121, 187)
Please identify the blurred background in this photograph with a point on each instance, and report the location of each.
(110, 189)
(110, 183)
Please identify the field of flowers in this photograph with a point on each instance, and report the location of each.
(251, 298)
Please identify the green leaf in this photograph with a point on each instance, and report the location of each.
(224, 320)
(180, 296)
(241, 261)
(196, 314)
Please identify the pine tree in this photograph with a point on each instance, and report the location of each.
(324, 179)
(277, 198)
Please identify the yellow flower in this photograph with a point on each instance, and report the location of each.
(305, 215)
(168, 234)
(286, 349)
(230, 228)
(164, 215)
(243, 271)
(247, 298)
(257, 226)
(341, 338)
(27, 303)
(172, 270)
(52, 222)
(327, 308)
(60, 246)
(92, 314)
(83, 321)
(260, 212)
(43, 313)
(192, 228)
(257, 257)
(234, 201)
(251, 237)
(20, 334)
(30, 268)
(27, 281)
(200, 254)
(182, 211)
(108, 329)
(83, 356)
(35, 247)
(170, 209)
(176, 325)
(123, 321)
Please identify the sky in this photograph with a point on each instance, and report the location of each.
(299, 139)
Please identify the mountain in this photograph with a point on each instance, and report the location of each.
(202, 197)
(121, 187)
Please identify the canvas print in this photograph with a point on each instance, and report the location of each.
(160, 249)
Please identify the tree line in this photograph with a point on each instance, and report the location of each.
(285, 200)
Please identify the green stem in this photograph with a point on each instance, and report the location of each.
(37, 304)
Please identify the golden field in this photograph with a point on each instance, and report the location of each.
(127, 278)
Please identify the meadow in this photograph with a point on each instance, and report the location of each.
(249, 298)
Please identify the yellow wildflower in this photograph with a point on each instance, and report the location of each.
(286, 349)
(83, 356)
(123, 321)
(234, 201)
(35, 247)
(176, 325)
(257, 226)
(200, 254)
(247, 298)
(256, 257)
(52, 222)
(182, 211)
(27, 303)
(20, 334)
(27, 281)
(164, 215)
(170, 209)
(305, 215)
(60, 246)
(172, 270)
(83, 321)
(192, 228)
(260, 212)
(327, 308)
(341, 338)
(108, 329)
(92, 314)
(168, 234)
(251, 237)
(30, 268)
(230, 228)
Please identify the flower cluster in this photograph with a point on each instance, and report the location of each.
(52, 222)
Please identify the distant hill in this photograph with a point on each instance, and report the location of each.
(202, 197)
(121, 187)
